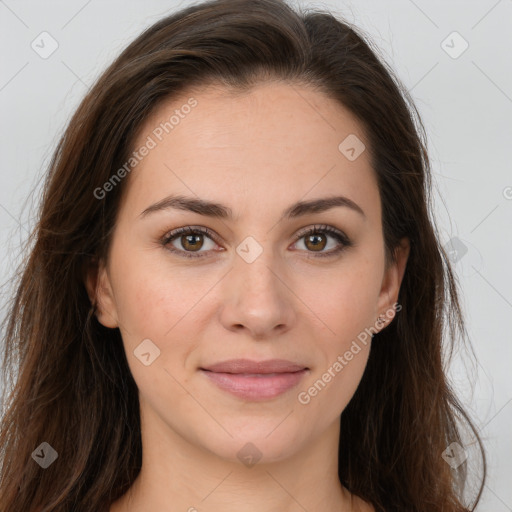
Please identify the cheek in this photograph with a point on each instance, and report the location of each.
(156, 313)
(343, 348)
(345, 301)
(343, 298)
(155, 302)
(332, 384)
(171, 307)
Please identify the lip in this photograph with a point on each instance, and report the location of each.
(255, 380)
(256, 367)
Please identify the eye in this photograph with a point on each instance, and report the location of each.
(191, 240)
(316, 239)
(188, 241)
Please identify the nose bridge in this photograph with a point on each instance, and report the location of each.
(255, 262)
(257, 298)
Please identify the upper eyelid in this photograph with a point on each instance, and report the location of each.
(214, 237)
(192, 229)
(318, 227)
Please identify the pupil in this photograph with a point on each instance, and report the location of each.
(190, 241)
(317, 241)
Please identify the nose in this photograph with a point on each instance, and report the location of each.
(257, 298)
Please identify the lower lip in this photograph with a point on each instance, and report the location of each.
(256, 387)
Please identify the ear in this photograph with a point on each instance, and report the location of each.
(391, 282)
(99, 290)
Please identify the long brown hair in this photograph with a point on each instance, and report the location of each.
(70, 384)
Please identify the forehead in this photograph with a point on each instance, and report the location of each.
(276, 141)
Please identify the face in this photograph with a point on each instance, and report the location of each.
(268, 272)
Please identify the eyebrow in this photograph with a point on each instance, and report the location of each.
(217, 210)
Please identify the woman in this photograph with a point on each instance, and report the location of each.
(236, 298)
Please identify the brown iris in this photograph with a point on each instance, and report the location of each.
(315, 240)
(190, 242)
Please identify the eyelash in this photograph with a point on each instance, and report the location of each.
(193, 230)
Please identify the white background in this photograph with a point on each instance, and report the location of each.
(465, 103)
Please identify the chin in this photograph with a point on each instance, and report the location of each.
(263, 440)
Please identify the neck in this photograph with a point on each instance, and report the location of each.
(186, 477)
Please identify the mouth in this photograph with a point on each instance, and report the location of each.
(252, 380)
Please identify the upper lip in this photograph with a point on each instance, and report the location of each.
(256, 367)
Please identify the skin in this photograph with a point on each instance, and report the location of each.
(256, 152)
